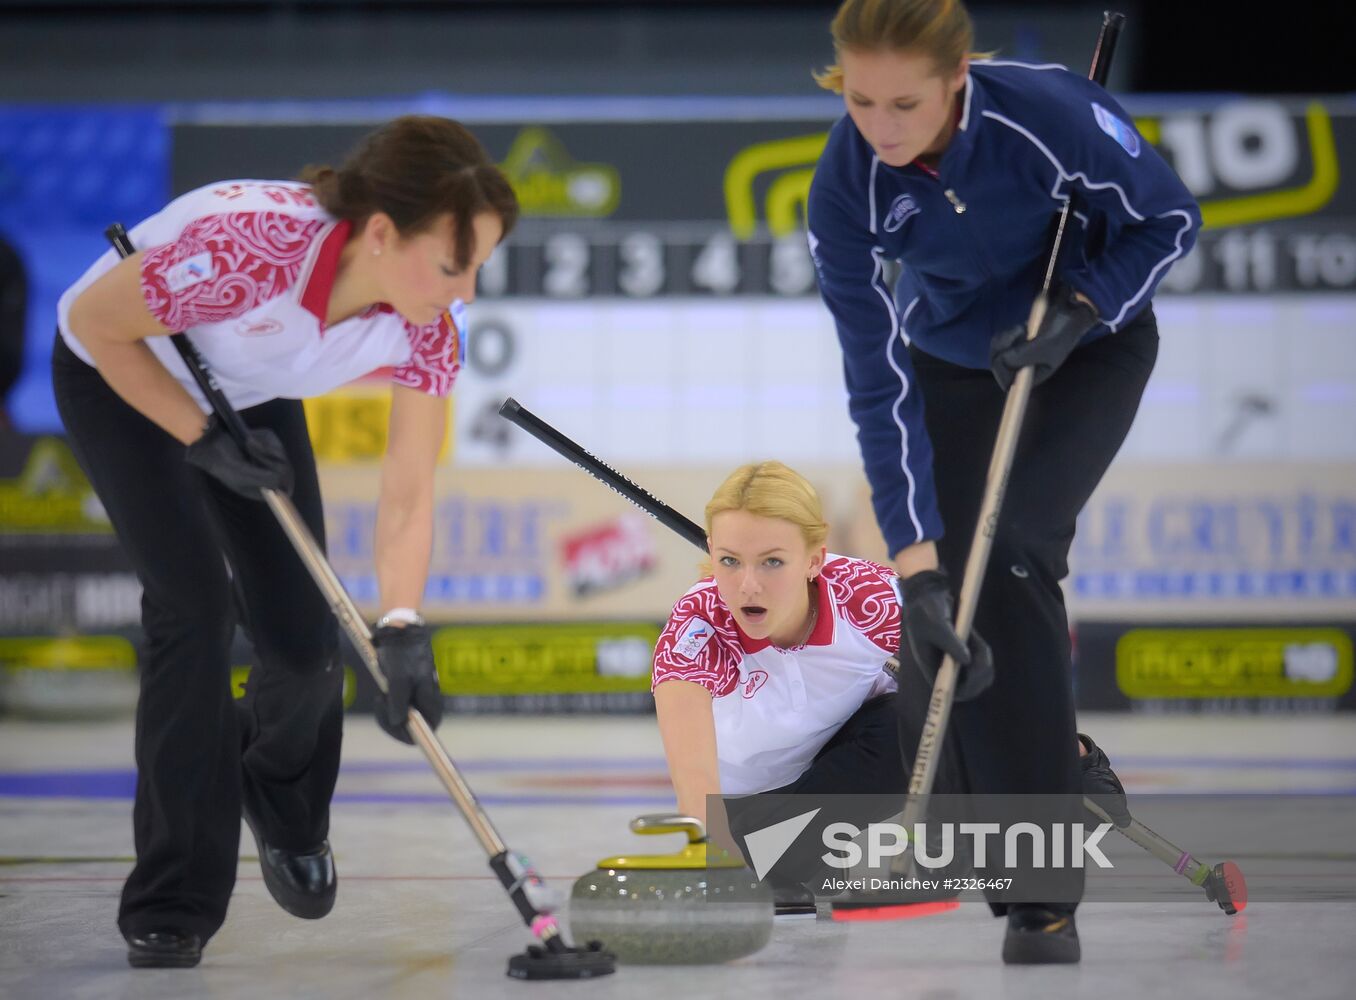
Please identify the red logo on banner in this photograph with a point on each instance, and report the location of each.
(606, 556)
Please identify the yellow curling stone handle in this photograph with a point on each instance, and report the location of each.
(693, 855)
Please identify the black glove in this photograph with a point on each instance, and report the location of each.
(263, 462)
(1101, 784)
(928, 614)
(1067, 319)
(406, 658)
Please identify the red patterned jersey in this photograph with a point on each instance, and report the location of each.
(776, 708)
(245, 269)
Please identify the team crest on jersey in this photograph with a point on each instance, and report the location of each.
(757, 678)
(1125, 135)
(901, 210)
(258, 327)
(188, 273)
(695, 634)
(813, 240)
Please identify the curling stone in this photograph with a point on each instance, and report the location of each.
(672, 909)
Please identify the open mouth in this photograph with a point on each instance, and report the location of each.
(753, 614)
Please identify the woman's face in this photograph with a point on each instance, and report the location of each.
(899, 103)
(762, 565)
(418, 274)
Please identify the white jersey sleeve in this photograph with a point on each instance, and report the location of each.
(222, 266)
(699, 643)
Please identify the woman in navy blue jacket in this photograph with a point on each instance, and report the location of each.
(955, 167)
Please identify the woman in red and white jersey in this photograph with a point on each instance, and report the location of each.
(770, 676)
(287, 290)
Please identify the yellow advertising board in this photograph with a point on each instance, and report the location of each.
(77, 652)
(352, 424)
(533, 658)
(1234, 663)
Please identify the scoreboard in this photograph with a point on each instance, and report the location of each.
(643, 262)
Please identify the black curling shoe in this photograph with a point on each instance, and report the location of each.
(791, 899)
(1037, 936)
(163, 949)
(302, 882)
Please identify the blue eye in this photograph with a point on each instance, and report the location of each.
(773, 563)
(729, 561)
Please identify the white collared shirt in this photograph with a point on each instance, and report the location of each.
(776, 708)
(244, 269)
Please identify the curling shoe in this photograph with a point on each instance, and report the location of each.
(302, 882)
(163, 949)
(791, 900)
(1036, 936)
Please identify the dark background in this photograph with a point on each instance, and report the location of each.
(161, 51)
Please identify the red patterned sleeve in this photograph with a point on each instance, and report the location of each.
(222, 266)
(435, 355)
(698, 645)
(865, 591)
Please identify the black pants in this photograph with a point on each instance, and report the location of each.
(861, 759)
(1018, 737)
(199, 754)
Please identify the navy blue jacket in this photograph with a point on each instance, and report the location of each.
(974, 243)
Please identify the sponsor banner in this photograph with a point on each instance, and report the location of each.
(86, 652)
(67, 677)
(1239, 663)
(564, 172)
(608, 555)
(534, 667)
(1167, 539)
(65, 602)
(43, 491)
(591, 667)
(1157, 542)
(87, 675)
(352, 424)
(1167, 668)
(1183, 542)
(1259, 161)
(544, 659)
(61, 569)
